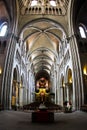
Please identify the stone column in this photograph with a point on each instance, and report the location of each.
(21, 96)
(55, 84)
(67, 87)
(61, 95)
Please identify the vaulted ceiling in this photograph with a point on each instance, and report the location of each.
(42, 31)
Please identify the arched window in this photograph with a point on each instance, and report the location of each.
(3, 29)
(34, 2)
(52, 2)
(82, 31)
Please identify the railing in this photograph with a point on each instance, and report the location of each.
(46, 10)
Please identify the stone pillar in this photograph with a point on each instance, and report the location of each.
(61, 95)
(67, 87)
(29, 78)
(43, 7)
(21, 96)
(55, 85)
(10, 97)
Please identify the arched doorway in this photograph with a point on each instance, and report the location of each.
(69, 85)
(85, 83)
(15, 90)
(13, 102)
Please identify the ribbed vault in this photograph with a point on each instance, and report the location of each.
(43, 40)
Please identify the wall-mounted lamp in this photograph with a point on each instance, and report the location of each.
(70, 80)
(63, 85)
(85, 70)
(19, 84)
(0, 70)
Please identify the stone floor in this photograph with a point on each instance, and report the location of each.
(16, 120)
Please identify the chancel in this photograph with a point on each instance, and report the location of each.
(43, 57)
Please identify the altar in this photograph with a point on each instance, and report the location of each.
(42, 115)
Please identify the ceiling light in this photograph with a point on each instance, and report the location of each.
(52, 2)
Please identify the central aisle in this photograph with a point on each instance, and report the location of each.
(15, 120)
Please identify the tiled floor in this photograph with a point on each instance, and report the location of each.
(15, 120)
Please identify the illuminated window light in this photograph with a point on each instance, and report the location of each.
(3, 29)
(52, 2)
(34, 2)
(82, 32)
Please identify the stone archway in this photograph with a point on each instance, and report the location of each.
(76, 54)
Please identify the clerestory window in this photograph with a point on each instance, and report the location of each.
(52, 2)
(3, 29)
(82, 30)
(34, 3)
